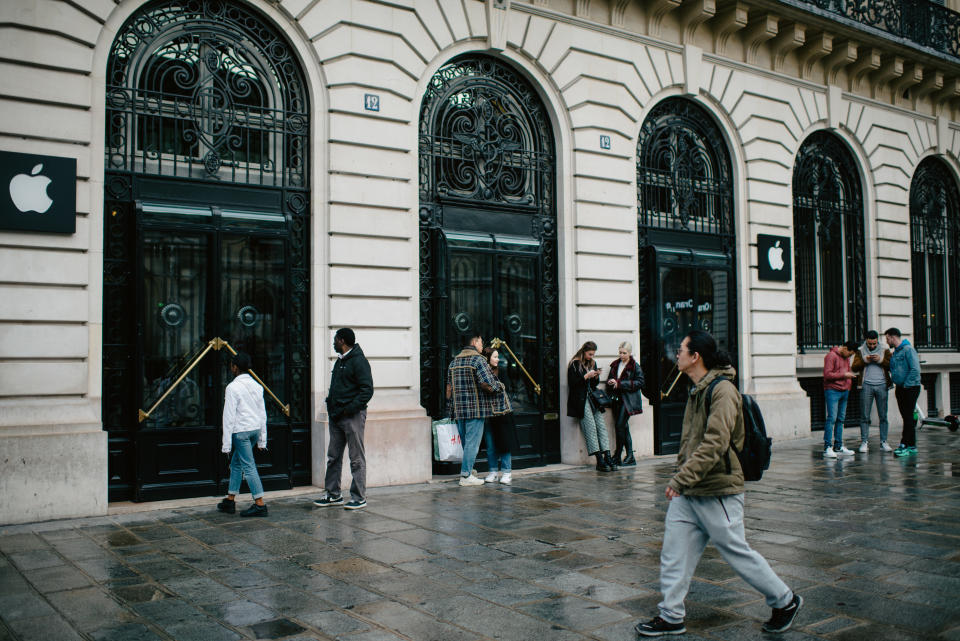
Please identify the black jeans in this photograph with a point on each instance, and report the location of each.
(906, 402)
(622, 428)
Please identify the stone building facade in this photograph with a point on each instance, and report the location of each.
(550, 173)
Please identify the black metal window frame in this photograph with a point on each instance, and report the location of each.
(934, 249)
(684, 198)
(228, 77)
(486, 150)
(829, 247)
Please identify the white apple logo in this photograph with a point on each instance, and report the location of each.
(775, 257)
(29, 192)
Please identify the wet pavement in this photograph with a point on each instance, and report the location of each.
(871, 542)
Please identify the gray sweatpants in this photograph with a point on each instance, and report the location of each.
(347, 430)
(691, 522)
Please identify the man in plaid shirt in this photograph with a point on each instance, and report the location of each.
(471, 386)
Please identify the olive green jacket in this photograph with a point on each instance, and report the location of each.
(702, 462)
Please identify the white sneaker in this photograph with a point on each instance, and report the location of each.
(864, 448)
(470, 480)
(490, 478)
(845, 451)
(829, 453)
(507, 478)
(885, 447)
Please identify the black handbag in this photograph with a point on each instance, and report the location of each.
(599, 398)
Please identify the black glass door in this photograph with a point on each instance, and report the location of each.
(689, 296)
(493, 288)
(202, 277)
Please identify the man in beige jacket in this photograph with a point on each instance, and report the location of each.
(706, 495)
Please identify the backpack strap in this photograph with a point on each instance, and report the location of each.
(710, 387)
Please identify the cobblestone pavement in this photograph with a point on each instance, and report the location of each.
(871, 542)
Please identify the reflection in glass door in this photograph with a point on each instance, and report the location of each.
(688, 297)
(203, 277)
(493, 289)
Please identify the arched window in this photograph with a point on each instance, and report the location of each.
(934, 243)
(206, 234)
(687, 248)
(206, 90)
(828, 244)
(488, 238)
(684, 180)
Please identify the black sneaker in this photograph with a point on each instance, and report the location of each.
(657, 627)
(328, 500)
(228, 506)
(255, 510)
(355, 505)
(782, 618)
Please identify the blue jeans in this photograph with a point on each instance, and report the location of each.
(497, 461)
(471, 431)
(836, 413)
(242, 464)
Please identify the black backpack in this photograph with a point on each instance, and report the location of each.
(757, 446)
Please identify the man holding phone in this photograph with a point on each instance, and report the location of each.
(871, 363)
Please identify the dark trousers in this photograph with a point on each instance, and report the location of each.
(906, 402)
(622, 429)
(347, 431)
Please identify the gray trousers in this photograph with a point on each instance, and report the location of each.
(347, 431)
(691, 522)
(868, 393)
(594, 430)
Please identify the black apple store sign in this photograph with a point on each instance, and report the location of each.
(39, 193)
(773, 257)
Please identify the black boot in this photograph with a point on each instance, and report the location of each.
(615, 459)
(609, 461)
(628, 459)
(602, 462)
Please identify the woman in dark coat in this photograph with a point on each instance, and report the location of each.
(500, 429)
(582, 375)
(624, 385)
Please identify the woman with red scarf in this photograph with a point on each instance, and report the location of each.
(624, 386)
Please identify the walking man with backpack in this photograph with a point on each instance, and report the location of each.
(706, 494)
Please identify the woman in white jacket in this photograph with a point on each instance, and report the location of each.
(244, 425)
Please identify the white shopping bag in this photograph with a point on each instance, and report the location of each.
(447, 440)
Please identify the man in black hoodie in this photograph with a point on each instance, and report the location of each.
(351, 388)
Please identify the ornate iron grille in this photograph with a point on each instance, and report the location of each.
(828, 244)
(683, 172)
(486, 145)
(206, 103)
(925, 23)
(206, 89)
(684, 196)
(934, 244)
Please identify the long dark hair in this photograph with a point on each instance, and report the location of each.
(701, 342)
(487, 353)
(589, 346)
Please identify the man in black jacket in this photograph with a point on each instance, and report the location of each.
(351, 388)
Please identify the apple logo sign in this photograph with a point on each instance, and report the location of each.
(775, 257)
(29, 192)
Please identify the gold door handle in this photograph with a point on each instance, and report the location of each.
(496, 343)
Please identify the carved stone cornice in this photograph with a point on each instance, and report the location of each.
(943, 99)
(890, 69)
(729, 20)
(844, 54)
(932, 82)
(761, 28)
(816, 48)
(618, 9)
(790, 36)
(911, 77)
(581, 8)
(693, 14)
(656, 10)
(868, 61)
